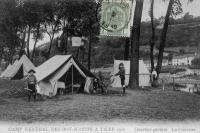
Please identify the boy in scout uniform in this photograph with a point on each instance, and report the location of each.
(31, 82)
(121, 74)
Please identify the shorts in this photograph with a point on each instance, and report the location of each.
(154, 77)
(122, 80)
(32, 88)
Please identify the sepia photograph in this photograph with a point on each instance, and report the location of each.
(99, 66)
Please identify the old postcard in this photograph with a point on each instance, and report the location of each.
(99, 66)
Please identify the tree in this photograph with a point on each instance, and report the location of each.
(182, 51)
(196, 62)
(89, 25)
(30, 13)
(37, 34)
(135, 40)
(188, 18)
(69, 14)
(30, 18)
(51, 22)
(126, 49)
(23, 28)
(170, 57)
(152, 41)
(9, 29)
(38, 30)
(174, 8)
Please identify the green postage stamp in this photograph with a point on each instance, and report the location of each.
(115, 18)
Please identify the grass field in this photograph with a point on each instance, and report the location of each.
(151, 104)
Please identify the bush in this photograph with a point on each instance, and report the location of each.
(182, 51)
(172, 70)
(194, 67)
(196, 61)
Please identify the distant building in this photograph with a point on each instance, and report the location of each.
(183, 59)
(147, 63)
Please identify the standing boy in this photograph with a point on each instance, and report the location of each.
(121, 74)
(31, 81)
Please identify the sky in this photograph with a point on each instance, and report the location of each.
(160, 8)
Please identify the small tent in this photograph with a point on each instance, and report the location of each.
(144, 74)
(6, 70)
(61, 71)
(19, 69)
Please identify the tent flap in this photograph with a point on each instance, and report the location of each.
(88, 85)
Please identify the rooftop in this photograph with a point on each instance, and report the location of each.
(183, 56)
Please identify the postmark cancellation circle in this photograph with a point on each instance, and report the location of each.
(115, 16)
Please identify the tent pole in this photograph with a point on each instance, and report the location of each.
(72, 80)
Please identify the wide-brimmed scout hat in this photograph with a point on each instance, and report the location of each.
(121, 65)
(31, 71)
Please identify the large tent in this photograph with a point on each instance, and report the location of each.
(61, 71)
(19, 69)
(144, 74)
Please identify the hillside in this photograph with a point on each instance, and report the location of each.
(181, 38)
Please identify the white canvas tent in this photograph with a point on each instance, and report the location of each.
(19, 69)
(6, 70)
(58, 72)
(144, 74)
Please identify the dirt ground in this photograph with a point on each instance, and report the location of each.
(151, 104)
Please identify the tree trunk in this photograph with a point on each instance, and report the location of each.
(135, 38)
(28, 41)
(34, 47)
(163, 37)
(89, 50)
(50, 45)
(12, 54)
(22, 49)
(77, 53)
(1, 53)
(152, 43)
(152, 55)
(36, 40)
(64, 41)
(83, 56)
(51, 38)
(51, 42)
(126, 49)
